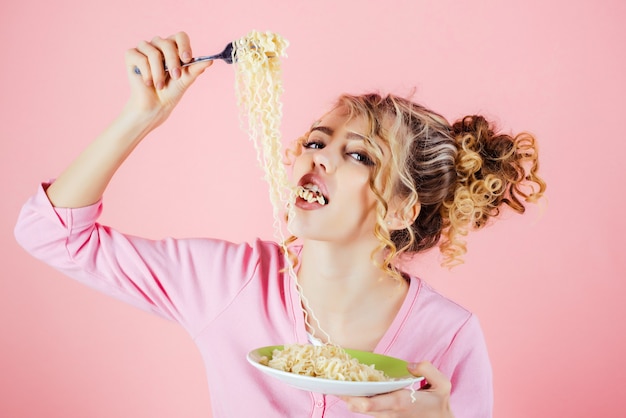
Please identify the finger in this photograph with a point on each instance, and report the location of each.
(185, 55)
(138, 67)
(436, 381)
(155, 61)
(169, 51)
(359, 404)
(181, 39)
(390, 402)
(192, 71)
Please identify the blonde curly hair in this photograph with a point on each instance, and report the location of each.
(458, 174)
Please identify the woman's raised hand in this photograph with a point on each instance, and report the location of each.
(155, 92)
(431, 402)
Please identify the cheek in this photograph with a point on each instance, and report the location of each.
(361, 186)
(298, 167)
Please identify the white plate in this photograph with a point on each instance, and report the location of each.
(393, 367)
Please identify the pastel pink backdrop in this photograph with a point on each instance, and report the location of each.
(549, 287)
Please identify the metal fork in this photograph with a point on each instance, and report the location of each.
(226, 55)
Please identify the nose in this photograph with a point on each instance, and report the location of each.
(324, 159)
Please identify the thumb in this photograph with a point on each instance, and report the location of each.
(433, 379)
(193, 71)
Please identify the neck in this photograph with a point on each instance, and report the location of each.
(352, 298)
(346, 275)
(336, 263)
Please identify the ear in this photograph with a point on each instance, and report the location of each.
(401, 215)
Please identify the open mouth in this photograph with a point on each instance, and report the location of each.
(311, 193)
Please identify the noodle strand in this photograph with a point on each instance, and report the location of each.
(259, 87)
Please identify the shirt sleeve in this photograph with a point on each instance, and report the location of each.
(467, 364)
(186, 280)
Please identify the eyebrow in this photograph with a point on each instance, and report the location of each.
(328, 131)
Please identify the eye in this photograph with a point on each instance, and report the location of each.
(362, 158)
(313, 144)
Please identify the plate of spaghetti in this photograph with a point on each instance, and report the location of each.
(332, 370)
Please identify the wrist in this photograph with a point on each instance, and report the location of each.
(128, 129)
(147, 119)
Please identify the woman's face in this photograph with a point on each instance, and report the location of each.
(334, 202)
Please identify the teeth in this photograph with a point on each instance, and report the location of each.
(312, 187)
(310, 193)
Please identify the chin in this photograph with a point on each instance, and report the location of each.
(309, 232)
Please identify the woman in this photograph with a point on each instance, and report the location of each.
(378, 178)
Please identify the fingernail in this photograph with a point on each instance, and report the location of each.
(149, 83)
(412, 366)
(160, 85)
(186, 56)
(175, 73)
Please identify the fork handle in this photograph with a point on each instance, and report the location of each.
(186, 64)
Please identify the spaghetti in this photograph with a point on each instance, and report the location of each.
(259, 86)
(326, 361)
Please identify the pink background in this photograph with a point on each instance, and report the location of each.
(549, 287)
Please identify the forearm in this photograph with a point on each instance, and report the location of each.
(83, 182)
(154, 94)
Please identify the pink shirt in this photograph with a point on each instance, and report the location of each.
(232, 298)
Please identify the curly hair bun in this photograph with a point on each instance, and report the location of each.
(493, 169)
